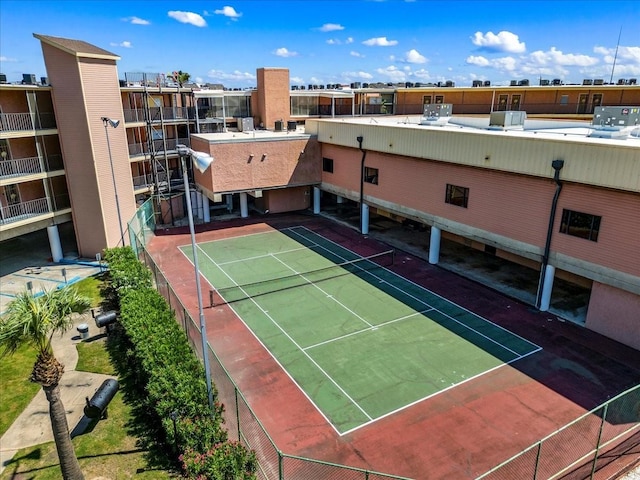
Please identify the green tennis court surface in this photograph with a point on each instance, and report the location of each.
(360, 341)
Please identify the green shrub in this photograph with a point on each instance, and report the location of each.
(167, 378)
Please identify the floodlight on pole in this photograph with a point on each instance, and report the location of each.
(201, 161)
(114, 124)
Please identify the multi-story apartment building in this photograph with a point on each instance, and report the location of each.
(86, 146)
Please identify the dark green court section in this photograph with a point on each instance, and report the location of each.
(359, 340)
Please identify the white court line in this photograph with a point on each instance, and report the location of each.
(433, 293)
(240, 260)
(292, 341)
(373, 327)
(326, 293)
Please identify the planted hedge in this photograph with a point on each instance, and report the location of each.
(169, 379)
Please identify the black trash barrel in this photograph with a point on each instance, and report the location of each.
(97, 406)
(106, 318)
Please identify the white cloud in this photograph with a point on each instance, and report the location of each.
(229, 12)
(7, 59)
(380, 42)
(422, 74)
(349, 40)
(480, 61)
(236, 75)
(188, 17)
(296, 80)
(360, 75)
(556, 57)
(331, 27)
(353, 53)
(624, 53)
(413, 56)
(333, 41)
(393, 73)
(125, 44)
(136, 21)
(502, 42)
(283, 52)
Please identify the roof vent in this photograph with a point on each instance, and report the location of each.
(614, 122)
(507, 120)
(436, 114)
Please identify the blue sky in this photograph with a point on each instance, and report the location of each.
(324, 41)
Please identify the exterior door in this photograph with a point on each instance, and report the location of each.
(583, 101)
(502, 102)
(515, 102)
(596, 101)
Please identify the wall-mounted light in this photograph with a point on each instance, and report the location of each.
(264, 157)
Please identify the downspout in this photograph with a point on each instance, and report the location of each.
(364, 155)
(557, 166)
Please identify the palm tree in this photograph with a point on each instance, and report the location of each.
(180, 77)
(34, 320)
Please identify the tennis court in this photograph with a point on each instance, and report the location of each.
(360, 341)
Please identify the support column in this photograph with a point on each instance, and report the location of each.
(229, 203)
(434, 245)
(54, 243)
(547, 287)
(244, 208)
(316, 200)
(206, 213)
(339, 200)
(365, 218)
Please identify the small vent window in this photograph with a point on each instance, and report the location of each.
(327, 165)
(457, 195)
(578, 224)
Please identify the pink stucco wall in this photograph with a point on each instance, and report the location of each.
(615, 313)
(255, 165)
(514, 206)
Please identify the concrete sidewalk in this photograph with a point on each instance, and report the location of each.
(33, 426)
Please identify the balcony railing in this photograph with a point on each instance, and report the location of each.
(31, 165)
(16, 122)
(144, 181)
(21, 211)
(136, 149)
(159, 114)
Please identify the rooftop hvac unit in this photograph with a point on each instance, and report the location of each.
(294, 87)
(3, 78)
(28, 79)
(487, 83)
(598, 81)
(524, 82)
(245, 124)
(556, 81)
(587, 81)
(279, 126)
(544, 82)
(476, 83)
(436, 114)
(44, 80)
(449, 83)
(632, 81)
(507, 120)
(513, 83)
(614, 122)
(622, 81)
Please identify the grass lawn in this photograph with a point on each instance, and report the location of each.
(105, 450)
(17, 390)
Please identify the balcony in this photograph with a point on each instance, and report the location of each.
(146, 181)
(136, 149)
(159, 114)
(33, 208)
(19, 167)
(20, 122)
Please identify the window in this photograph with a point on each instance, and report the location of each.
(457, 195)
(583, 225)
(564, 100)
(327, 165)
(371, 175)
(426, 99)
(439, 98)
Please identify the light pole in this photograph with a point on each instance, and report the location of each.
(114, 123)
(201, 161)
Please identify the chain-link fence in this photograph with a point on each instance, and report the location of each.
(577, 446)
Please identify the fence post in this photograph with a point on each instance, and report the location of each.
(235, 389)
(280, 465)
(535, 470)
(595, 457)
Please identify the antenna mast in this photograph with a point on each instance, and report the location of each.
(615, 56)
